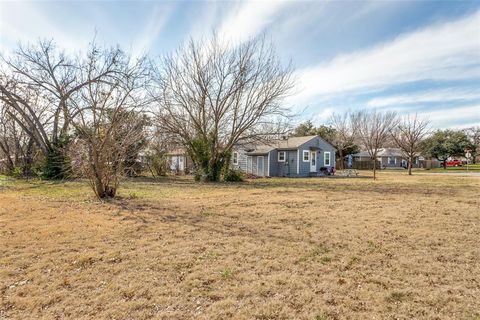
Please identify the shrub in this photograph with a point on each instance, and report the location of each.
(231, 175)
(158, 163)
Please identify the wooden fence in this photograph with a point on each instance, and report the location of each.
(359, 165)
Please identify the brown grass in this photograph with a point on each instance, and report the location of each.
(398, 248)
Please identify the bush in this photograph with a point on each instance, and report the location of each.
(231, 175)
(158, 163)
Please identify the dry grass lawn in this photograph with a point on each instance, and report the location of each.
(398, 248)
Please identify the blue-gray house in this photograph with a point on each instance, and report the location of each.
(289, 157)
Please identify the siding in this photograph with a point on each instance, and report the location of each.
(273, 163)
(317, 142)
(242, 161)
(287, 168)
(265, 163)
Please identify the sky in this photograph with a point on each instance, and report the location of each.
(407, 56)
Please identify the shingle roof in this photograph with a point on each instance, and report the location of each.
(293, 142)
(285, 144)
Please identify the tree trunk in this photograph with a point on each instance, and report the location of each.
(409, 166)
(99, 189)
(445, 164)
(10, 166)
(374, 169)
(342, 164)
(214, 170)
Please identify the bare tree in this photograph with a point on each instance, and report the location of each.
(37, 86)
(213, 96)
(373, 130)
(343, 137)
(17, 149)
(108, 120)
(408, 135)
(473, 134)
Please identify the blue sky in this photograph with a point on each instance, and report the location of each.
(409, 56)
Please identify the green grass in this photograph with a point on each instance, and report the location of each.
(159, 189)
(470, 167)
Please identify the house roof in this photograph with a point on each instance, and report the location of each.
(177, 152)
(291, 143)
(259, 150)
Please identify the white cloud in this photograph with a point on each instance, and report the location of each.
(153, 28)
(28, 22)
(324, 116)
(440, 95)
(459, 117)
(249, 18)
(445, 51)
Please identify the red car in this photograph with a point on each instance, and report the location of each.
(454, 163)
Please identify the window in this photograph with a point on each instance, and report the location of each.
(306, 156)
(235, 157)
(392, 160)
(326, 160)
(281, 156)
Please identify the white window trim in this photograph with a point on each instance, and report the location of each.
(325, 158)
(284, 156)
(235, 156)
(303, 155)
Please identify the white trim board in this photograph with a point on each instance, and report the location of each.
(268, 165)
(298, 162)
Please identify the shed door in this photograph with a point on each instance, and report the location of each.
(260, 166)
(313, 161)
(249, 164)
(173, 163)
(181, 163)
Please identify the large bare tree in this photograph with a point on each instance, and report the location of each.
(37, 85)
(408, 135)
(109, 120)
(343, 137)
(373, 131)
(213, 96)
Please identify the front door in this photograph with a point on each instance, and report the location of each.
(313, 161)
(260, 166)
